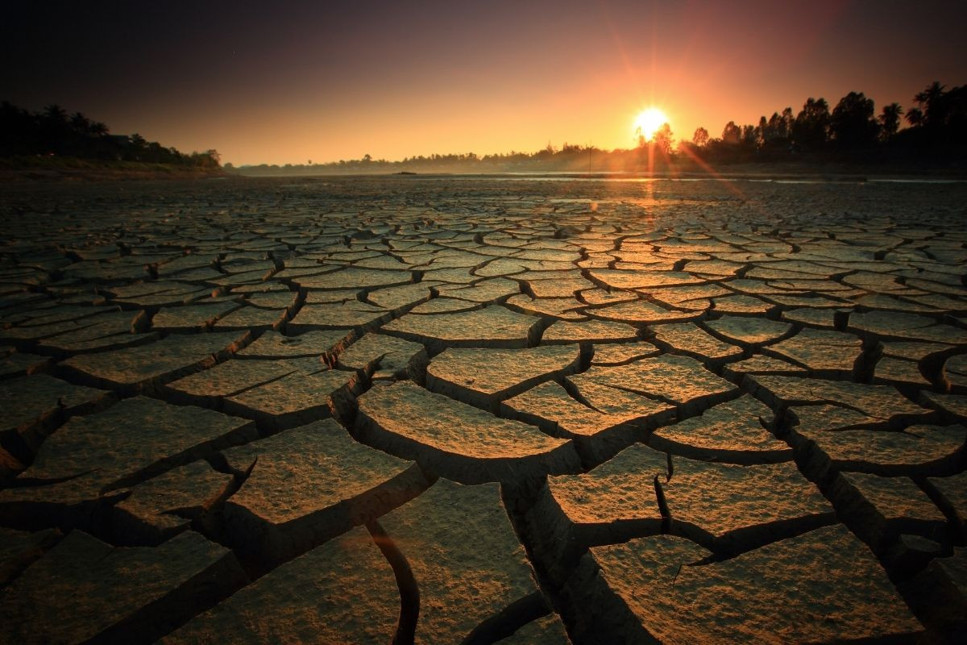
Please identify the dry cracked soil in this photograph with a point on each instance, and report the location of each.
(479, 410)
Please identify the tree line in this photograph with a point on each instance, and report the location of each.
(52, 132)
(852, 130)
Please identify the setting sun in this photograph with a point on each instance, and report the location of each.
(648, 122)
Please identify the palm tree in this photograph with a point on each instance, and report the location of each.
(931, 104)
(890, 120)
(915, 117)
(80, 123)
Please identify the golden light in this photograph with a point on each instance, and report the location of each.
(648, 122)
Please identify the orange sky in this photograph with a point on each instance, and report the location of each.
(337, 80)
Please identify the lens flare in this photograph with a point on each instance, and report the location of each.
(648, 122)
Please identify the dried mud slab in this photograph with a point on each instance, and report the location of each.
(679, 380)
(749, 331)
(358, 316)
(597, 331)
(559, 308)
(484, 291)
(341, 592)
(828, 584)
(954, 406)
(147, 366)
(597, 435)
(126, 444)
(134, 438)
(493, 326)
(353, 278)
(884, 508)
(941, 590)
(903, 326)
(384, 356)
(296, 399)
(189, 317)
(760, 364)
(609, 399)
(167, 504)
(952, 492)
(916, 450)
(326, 343)
(689, 338)
(72, 326)
(901, 372)
(728, 507)
(231, 377)
(14, 363)
(252, 319)
(463, 581)
(642, 311)
(309, 484)
(456, 440)
(32, 405)
(19, 549)
(734, 431)
(820, 351)
(636, 280)
(614, 500)
(880, 402)
(86, 589)
(484, 377)
(399, 298)
(618, 353)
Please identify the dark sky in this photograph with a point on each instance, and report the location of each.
(292, 81)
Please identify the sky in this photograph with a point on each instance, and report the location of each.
(289, 82)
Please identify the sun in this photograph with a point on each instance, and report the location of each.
(648, 122)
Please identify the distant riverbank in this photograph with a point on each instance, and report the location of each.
(71, 169)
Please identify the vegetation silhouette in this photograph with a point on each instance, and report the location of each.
(850, 134)
(27, 138)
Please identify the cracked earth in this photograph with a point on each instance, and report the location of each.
(445, 410)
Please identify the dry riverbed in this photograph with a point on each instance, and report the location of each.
(455, 409)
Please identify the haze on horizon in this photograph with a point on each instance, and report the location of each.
(329, 81)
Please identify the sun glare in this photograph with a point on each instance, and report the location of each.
(648, 122)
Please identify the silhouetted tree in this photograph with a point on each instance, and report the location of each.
(939, 121)
(787, 121)
(955, 114)
(762, 132)
(662, 139)
(851, 124)
(700, 138)
(931, 104)
(55, 114)
(915, 117)
(890, 121)
(811, 127)
(52, 132)
(731, 134)
(749, 136)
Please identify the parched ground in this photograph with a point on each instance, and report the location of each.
(446, 410)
